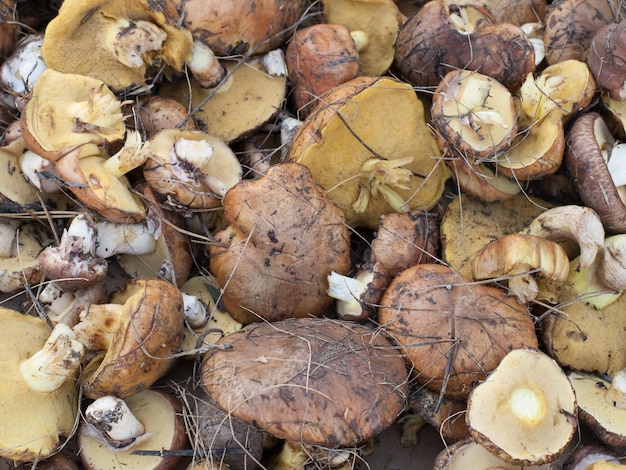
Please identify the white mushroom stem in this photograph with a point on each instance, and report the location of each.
(385, 177)
(616, 394)
(134, 43)
(288, 128)
(114, 239)
(58, 361)
(21, 70)
(196, 314)
(534, 33)
(274, 63)
(361, 39)
(528, 405)
(612, 270)
(32, 165)
(204, 66)
(7, 240)
(113, 423)
(190, 158)
(348, 292)
(129, 157)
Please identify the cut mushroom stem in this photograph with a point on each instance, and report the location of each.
(114, 239)
(613, 267)
(188, 157)
(134, 42)
(113, 423)
(358, 296)
(59, 359)
(384, 176)
(204, 66)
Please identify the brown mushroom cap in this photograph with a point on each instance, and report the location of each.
(586, 142)
(136, 337)
(453, 334)
(78, 40)
(268, 267)
(517, 12)
(160, 414)
(525, 412)
(607, 60)
(331, 383)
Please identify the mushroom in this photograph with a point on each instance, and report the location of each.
(606, 61)
(20, 71)
(121, 43)
(439, 38)
(525, 411)
(517, 258)
(246, 99)
(318, 58)
(570, 27)
(367, 170)
(468, 224)
(268, 259)
(36, 421)
(242, 26)
(133, 339)
(332, 383)
(467, 453)
(602, 404)
(116, 431)
(592, 457)
(404, 239)
(452, 333)
(193, 168)
(473, 113)
(67, 111)
(373, 24)
(593, 159)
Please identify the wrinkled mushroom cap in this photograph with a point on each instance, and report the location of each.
(330, 383)
(267, 266)
(33, 421)
(525, 412)
(452, 334)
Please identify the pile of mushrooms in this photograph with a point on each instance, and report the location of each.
(263, 234)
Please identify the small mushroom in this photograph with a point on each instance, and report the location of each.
(318, 58)
(517, 258)
(133, 339)
(67, 111)
(268, 259)
(373, 24)
(36, 421)
(368, 170)
(594, 161)
(193, 168)
(332, 383)
(452, 333)
(116, 431)
(121, 43)
(525, 411)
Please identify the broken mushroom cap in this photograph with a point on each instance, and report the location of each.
(152, 413)
(452, 333)
(120, 43)
(602, 405)
(67, 111)
(193, 168)
(525, 411)
(135, 338)
(517, 258)
(267, 269)
(368, 170)
(593, 161)
(38, 420)
(334, 400)
(373, 24)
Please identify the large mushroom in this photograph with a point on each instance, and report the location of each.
(331, 383)
(369, 146)
(452, 333)
(132, 340)
(273, 260)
